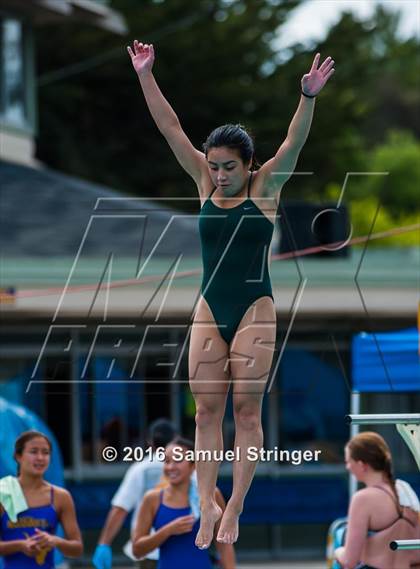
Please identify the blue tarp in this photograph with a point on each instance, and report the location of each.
(14, 420)
(386, 362)
(314, 398)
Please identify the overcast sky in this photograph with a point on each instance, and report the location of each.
(311, 20)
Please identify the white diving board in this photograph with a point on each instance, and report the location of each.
(408, 426)
(405, 544)
(385, 419)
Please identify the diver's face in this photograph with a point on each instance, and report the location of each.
(227, 170)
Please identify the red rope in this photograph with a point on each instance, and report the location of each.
(278, 257)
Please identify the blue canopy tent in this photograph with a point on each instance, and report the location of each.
(386, 362)
(14, 420)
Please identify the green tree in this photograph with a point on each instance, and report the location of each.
(398, 191)
(393, 190)
(375, 88)
(210, 58)
(216, 63)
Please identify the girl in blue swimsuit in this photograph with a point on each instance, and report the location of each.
(29, 542)
(168, 512)
(233, 334)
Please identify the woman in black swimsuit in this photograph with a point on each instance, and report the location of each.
(233, 334)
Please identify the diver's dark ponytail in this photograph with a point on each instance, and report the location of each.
(255, 165)
(233, 136)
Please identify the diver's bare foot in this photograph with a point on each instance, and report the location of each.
(229, 526)
(208, 519)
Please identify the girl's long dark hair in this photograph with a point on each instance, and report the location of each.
(24, 438)
(179, 441)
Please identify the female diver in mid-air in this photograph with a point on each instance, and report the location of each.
(234, 328)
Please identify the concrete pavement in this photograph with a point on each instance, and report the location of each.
(283, 565)
(271, 565)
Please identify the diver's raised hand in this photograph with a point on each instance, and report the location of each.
(142, 56)
(313, 82)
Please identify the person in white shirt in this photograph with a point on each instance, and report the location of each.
(139, 478)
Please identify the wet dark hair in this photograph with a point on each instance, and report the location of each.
(160, 432)
(179, 441)
(233, 136)
(371, 448)
(26, 437)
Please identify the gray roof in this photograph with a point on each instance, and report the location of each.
(94, 12)
(44, 213)
(56, 229)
